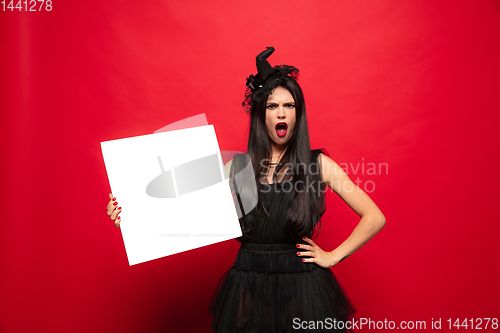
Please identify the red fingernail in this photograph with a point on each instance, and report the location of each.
(298, 245)
(119, 208)
(298, 253)
(114, 199)
(119, 217)
(115, 203)
(303, 238)
(303, 260)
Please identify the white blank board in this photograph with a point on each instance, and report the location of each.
(154, 227)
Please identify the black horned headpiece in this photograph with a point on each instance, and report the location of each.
(260, 86)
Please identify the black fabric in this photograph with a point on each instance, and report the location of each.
(259, 86)
(268, 285)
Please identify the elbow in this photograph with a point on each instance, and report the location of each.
(378, 222)
(381, 221)
(374, 222)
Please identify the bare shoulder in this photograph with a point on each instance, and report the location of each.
(330, 170)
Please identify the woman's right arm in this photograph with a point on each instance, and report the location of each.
(114, 210)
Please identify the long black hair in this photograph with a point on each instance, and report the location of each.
(308, 203)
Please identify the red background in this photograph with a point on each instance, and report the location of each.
(414, 84)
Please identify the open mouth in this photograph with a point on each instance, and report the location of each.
(281, 129)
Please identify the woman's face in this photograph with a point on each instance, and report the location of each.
(280, 116)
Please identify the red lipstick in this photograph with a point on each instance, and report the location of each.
(281, 129)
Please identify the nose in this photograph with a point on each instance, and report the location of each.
(281, 112)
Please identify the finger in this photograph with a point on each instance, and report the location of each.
(117, 221)
(309, 240)
(308, 260)
(305, 247)
(114, 215)
(110, 200)
(112, 206)
(306, 254)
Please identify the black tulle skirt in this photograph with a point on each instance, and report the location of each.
(270, 290)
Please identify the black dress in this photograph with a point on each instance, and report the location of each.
(269, 289)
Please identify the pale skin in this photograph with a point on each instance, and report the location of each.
(281, 108)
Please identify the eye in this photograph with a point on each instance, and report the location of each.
(289, 105)
(271, 106)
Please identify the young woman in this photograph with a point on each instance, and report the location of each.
(281, 280)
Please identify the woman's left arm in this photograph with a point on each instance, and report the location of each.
(372, 219)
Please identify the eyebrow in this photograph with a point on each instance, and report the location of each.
(271, 103)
